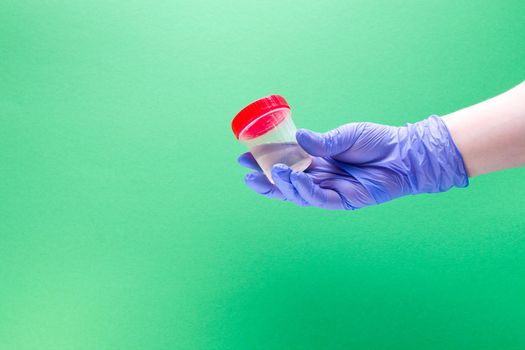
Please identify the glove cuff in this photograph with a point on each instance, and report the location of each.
(434, 158)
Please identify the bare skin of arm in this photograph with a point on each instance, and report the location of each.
(491, 135)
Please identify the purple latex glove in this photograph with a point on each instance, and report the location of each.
(361, 164)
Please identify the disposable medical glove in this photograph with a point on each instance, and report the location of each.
(362, 164)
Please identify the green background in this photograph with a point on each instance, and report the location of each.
(124, 219)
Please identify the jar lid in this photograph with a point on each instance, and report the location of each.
(255, 110)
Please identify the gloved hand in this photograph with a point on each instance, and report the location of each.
(361, 164)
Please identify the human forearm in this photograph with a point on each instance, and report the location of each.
(491, 135)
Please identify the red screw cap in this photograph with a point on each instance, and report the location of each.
(256, 109)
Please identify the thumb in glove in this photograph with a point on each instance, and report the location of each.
(330, 143)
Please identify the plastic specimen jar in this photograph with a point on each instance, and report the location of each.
(267, 128)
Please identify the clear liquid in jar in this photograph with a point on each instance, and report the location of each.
(290, 154)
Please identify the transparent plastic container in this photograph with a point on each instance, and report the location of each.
(267, 129)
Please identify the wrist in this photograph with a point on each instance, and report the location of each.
(490, 134)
